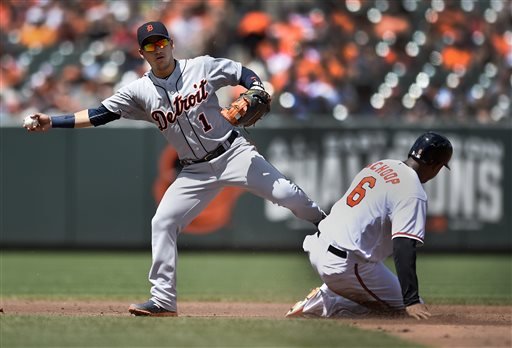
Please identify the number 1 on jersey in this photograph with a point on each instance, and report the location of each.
(204, 122)
(356, 196)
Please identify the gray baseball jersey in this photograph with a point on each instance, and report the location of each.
(186, 110)
(184, 106)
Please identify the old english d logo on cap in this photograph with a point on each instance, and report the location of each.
(151, 29)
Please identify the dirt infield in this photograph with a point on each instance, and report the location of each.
(450, 326)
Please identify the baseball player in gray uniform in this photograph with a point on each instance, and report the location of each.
(178, 96)
(382, 213)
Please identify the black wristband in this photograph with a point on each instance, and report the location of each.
(64, 121)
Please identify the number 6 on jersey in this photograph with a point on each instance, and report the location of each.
(356, 196)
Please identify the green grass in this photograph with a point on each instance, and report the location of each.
(185, 332)
(201, 276)
(269, 277)
(466, 279)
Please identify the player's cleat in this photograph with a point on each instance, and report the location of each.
(298, 308)
(150, 309)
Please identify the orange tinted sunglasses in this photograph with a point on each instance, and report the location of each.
(151, 47)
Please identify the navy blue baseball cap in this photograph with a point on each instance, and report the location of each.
(431, 148)
(151, 29)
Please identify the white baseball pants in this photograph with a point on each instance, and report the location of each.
(352, 286)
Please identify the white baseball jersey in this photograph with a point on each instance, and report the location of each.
(385, 200)
(184, 106)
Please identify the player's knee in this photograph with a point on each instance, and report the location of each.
(161, 223)
(284, 193)
(156, 223)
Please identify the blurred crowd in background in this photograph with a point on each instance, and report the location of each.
(405, 60)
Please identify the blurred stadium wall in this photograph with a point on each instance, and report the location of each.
(99, 188)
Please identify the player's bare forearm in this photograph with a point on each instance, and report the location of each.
(418, 311)
(82, 119)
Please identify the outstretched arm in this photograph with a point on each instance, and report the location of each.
(81, 119)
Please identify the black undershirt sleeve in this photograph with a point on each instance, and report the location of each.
(404, 255)
(101, 116)
(249, 79)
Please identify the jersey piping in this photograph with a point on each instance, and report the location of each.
(177, 118)
(186, 113)
(408, 235)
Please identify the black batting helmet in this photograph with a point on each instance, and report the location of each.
(431, 148)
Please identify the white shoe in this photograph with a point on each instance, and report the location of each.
(298, 308)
